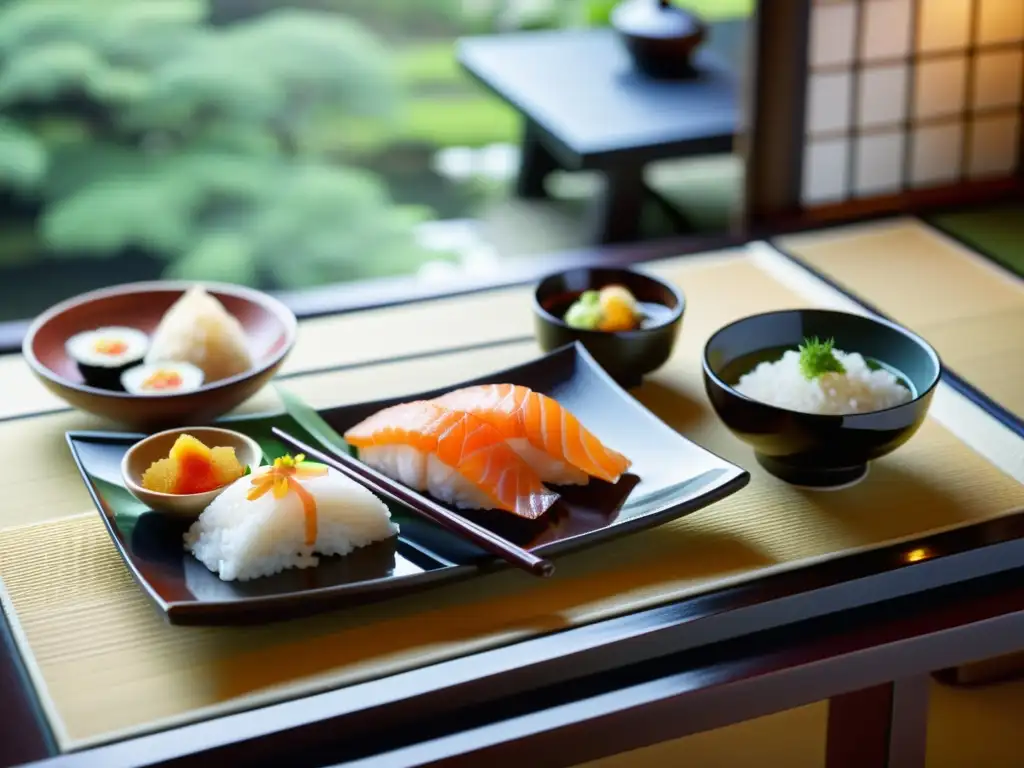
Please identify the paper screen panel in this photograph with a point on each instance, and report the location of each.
(887, 29)
(882, 96)
(879, 168)
(940, 87)
(995, 145)
(832, 33)
(997, 78)
(828, 102)
(1000, 21)
(936, 154)
(929, 95)
(944, 25)
(825, 170)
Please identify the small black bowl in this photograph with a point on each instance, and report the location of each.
(660, 37)
(626, 355)
(812, 449)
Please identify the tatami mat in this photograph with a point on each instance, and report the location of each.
(108, 664)
(969, 309)
(996, 231)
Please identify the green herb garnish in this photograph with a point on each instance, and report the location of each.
(817, 357)
(248, 470)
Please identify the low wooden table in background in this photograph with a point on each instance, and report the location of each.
(585, 108)
(862, 630)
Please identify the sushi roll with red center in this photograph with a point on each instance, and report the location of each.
(102, 355)
(164, 378)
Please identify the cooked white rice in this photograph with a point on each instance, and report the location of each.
(859, 390)
(241, 539)
(197, 329)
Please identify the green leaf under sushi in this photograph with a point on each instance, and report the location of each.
(125, 507)
(311, 421)
(272, 447)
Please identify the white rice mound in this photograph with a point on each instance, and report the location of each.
(241, 539)
(859, 390)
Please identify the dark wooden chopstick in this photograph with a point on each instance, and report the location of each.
(384, 485)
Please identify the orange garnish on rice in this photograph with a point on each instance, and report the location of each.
(110, 347)
(283, 477)
(163, 380)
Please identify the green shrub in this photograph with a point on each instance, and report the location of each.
(136, 125)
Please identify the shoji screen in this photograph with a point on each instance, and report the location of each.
(911, 94)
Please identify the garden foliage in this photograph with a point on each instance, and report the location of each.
(140, 126)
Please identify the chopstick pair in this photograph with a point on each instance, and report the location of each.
(384, 485)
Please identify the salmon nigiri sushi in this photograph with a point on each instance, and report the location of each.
(546, 435)
(454, 456)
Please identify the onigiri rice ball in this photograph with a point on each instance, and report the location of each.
(197, 329)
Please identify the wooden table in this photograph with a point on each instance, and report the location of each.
(863, 630)
(585, 108)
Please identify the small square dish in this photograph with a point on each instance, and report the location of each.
(670, 477)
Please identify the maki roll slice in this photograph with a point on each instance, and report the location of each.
(102, 355)
(163, 378)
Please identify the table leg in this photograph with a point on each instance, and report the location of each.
(679, 220)
(535, 164)
(880, 727)
(615, 215)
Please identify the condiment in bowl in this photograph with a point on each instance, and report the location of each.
(180, 471)
(627, 319)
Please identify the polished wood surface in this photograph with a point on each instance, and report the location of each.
(563, 725)
(643, 678)
(648, 637)
(698, 693)
(775, 100)
(87, 620)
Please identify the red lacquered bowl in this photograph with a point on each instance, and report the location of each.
(269, 325)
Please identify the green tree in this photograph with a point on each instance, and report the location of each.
(417, 17)
(137, 125)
